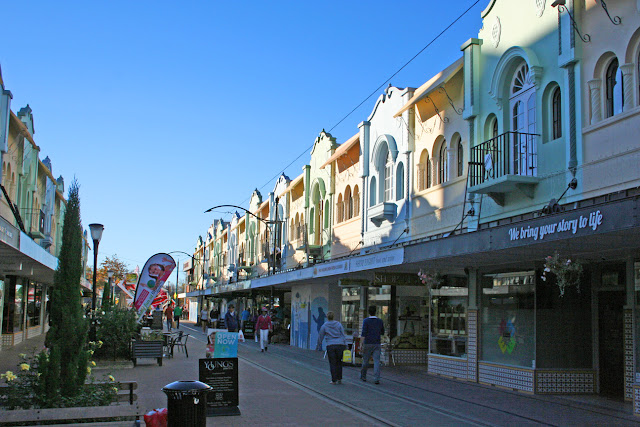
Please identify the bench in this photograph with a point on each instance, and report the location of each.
(124, 414)
(147, 349)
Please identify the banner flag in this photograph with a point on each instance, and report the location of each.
(153, 275)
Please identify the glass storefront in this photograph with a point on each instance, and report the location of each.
(34, 304)
(449, 304)
(508, 319)
(350, 309)
(17, 309)
(380, 297)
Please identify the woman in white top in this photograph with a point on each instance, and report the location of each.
(204, 319)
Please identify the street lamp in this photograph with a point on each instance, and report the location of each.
(96, 235)
(110, 293)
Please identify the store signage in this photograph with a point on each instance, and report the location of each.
(405, 279)
(226, 345)
(8, 233)
(330, 268)
(377, 260)
(353, 282)
(589, 221)
(222, 376)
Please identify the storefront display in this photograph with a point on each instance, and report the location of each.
(350, 309)
(449, 303)
(508, 319)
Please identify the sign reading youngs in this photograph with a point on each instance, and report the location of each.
(591, 220)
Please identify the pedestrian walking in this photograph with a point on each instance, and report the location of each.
(204, 319)
(372, 330)
(168, 313)
(177, 313)
(246, 315)
(333, 331)
(231, 319)
(263, 326)
(214, 315)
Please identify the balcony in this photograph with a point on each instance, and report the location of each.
(382, 212)
(504, 164)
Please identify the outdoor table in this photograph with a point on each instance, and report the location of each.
(168, 341)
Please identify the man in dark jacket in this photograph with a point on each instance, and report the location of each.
(231, 319)
(372, 330)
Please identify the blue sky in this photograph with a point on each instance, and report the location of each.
(163, 109)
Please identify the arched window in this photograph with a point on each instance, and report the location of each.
(494, 128)
(442, 163)
(399, 181)
(356, 201)
(348, 204)
(340, 208)
(613, 87)
(556, 114)
(388, 177)
(312, 215)
(460, 158)
(523, 120)
(424, 171)
(302, 229)
(372, 191)
(292, 232)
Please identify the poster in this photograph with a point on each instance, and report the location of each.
(155, 272)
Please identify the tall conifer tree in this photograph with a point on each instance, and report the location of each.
(66, 340)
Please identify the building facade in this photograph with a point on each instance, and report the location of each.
(511, 170)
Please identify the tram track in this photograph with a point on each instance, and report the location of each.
(353, 408)
(472, 402)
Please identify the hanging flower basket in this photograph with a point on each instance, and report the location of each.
(430, 278)
(567, 272)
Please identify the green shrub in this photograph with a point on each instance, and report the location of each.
(116, 326)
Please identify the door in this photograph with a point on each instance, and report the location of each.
(523, 123)
(611, 343)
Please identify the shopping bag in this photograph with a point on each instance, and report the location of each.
(156, 418)
(346, 356)
(240, 336)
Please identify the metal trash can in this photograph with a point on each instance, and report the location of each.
(186, 403)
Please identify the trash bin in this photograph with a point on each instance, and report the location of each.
(186, 403)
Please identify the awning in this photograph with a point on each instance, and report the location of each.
(342, 149)
(434, 83)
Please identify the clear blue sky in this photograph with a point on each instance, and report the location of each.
(163, 109)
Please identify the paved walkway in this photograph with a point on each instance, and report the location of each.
(289, 386)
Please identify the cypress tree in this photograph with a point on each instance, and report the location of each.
(66, 367)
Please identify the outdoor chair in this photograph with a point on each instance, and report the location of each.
(180, 341)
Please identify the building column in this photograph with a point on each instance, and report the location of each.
(595, 100)
(629, 87)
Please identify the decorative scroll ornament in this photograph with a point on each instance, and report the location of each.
(496, 30)
(616, 20)
(457, 110)
(540, 4)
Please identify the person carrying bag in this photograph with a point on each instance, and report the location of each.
(336, 346)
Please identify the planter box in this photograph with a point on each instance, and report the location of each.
(147, 350)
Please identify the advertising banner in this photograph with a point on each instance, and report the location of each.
(226, 345)
(155, 272)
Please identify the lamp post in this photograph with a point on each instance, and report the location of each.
(96, 235)
(110, 293)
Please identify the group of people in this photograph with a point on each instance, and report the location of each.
(372, 331)
(173, 315)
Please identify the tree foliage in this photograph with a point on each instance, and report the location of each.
(66, 366)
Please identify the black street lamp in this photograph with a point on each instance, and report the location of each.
(96, 235)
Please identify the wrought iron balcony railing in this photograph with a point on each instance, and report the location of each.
(512, 153)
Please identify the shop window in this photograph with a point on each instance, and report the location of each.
(34, 304)
(508, 319)
(350, 309)
(18, 308)
(380, 297)
(636, 275)
(449, 304)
